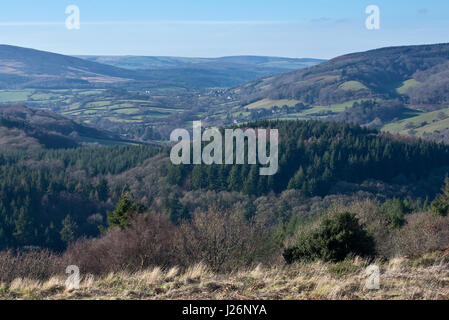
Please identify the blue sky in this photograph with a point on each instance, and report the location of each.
(212, 28)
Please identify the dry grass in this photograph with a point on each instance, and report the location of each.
(424, 278)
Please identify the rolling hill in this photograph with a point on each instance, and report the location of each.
(23, 128)
(29, 68)
(205, 72)
(153, 63)
(409, 84)
(401, 90)
(385, 73)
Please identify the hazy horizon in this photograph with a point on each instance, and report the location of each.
(216, 57)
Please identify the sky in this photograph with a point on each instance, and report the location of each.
(215, 28)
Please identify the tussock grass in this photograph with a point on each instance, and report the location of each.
(400, 278)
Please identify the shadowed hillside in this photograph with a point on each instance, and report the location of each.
(29, 68)
(23, 127)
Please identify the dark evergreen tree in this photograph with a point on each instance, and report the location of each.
(440, 205)
(69, 230)
(123, 211)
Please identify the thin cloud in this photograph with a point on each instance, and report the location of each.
(320, 20)
(167, 22)
(191, 22)
(343, 20)
(29, 23)
(423, 11)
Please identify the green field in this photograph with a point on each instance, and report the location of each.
(90, 105)
(338, 107)
(420, 122)
(268, 104)
(13, 96)
(352, 86)
(407, 85)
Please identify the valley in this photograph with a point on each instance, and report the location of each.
(158, 94)
(224, 150)
(85, 172)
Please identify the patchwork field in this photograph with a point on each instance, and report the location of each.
(114, 108)
(87, 105)
(420, 122)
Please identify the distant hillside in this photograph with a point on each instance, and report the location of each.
(204, 72)
(148, 62)
(29, 68)
(418, 74)
(22, 128)
(210, 74)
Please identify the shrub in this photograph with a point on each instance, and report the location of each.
(338, 237)
(371, 215)
(31, 264)
(440, 205)
(395, 210)
(422, 234)
(225, 240)
(222, 240)
(148, 241)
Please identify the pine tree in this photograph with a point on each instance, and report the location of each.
(174, 174)
(234, 179)
(69, 230)
(125, 207)
(250, 185)
(298, 180)
(102, 189)
(23, 232)
(176, 211)
(197, 177)
(440, 205)
(250, 210)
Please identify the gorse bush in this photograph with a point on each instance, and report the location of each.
(337, 237)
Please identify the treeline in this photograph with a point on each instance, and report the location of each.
(372, 113)
(314, 156)
(50, 197)
(44, 137)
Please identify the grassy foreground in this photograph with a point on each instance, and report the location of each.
(400, 278)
